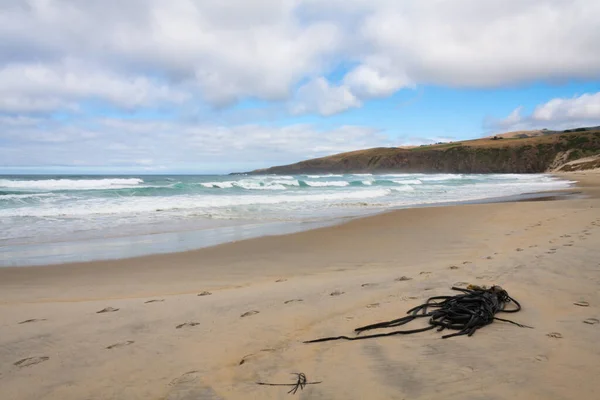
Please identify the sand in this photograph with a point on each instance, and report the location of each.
(158, 339)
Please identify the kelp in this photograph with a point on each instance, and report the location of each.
(465, 313)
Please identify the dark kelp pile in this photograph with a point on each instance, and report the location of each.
(473, 309)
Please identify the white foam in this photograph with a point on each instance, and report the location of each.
(408, 182)
(71, 184)
(221, 185)
(399, 175)
(367, 183)
(286, 182)
(405, 188)
(136, 205)
(440, 177)
(327, 183)
(324, 176)
(258, 185)
(25, 196)
(254, 184)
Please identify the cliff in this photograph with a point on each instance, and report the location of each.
(533, 154)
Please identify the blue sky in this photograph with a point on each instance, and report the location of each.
(203, 87)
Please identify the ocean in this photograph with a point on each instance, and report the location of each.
(56, 219)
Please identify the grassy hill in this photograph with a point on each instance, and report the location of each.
(511, 154)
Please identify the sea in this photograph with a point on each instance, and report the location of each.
(60, 219)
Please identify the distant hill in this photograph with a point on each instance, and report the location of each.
(539, 132)
(522, 152)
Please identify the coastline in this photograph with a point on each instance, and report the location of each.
(361, 258)
(185, 238)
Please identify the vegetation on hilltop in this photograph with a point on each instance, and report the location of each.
(531, 154)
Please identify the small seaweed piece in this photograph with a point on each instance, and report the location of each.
(301, 382)
(27, 321)
(107, 309)
(187, 324)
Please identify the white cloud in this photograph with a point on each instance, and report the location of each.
(319, 96)
(559, 113)
(120, 142)
(368, 81)
(485, 43)
(584, 107)
(39, 87)
(227, 51)
(224, 51)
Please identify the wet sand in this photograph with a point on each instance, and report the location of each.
(158, 339)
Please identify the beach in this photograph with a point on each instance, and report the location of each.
(210, 323)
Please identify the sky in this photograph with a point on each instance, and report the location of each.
(218, 86)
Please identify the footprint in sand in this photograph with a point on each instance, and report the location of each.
(591, 321)
(248, 356)
(107, 309)
(568, 244)
(27, 362)
(532, 246)
(205, 293)
(280, 280)
(27, 321)
(188, 377)
(519, 249)
(582, 303)
(467, 262)
(402, 278)
(292, 301)
(190, 324)
(453, 267)
(541, 357)
(555, 335)
(121, 344)
(368, 284)
(154, 301)
(336, 293)
(488, 257)
(249, 313)
(374, 305)
(424, 273)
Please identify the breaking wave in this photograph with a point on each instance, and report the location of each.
(70, 184)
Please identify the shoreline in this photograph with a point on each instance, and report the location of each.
(129, 246)
(90, 271)
(167, 340)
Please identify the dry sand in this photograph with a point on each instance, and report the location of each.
(160, 340)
